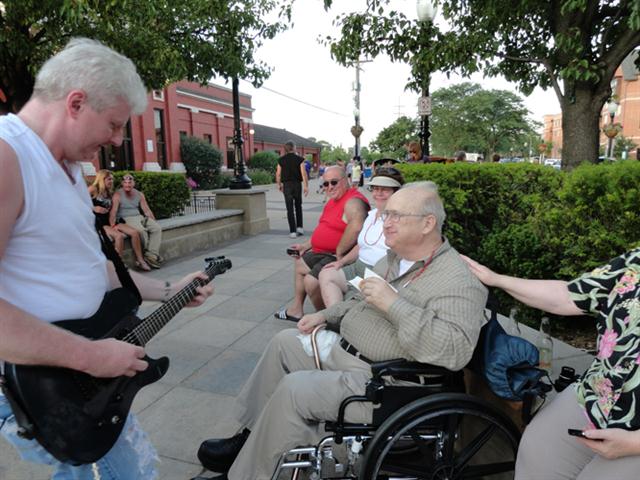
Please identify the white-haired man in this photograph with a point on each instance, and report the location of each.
(51, 264)
(433, 314)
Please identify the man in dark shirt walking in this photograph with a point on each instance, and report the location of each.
(290, 172)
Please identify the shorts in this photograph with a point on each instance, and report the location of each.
(315, 261)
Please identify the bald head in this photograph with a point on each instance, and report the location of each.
(424, 196)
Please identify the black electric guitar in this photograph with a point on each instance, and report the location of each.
(74, 416)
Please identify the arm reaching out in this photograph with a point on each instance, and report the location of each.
(549, 295)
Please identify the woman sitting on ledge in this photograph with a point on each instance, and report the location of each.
(101, 191)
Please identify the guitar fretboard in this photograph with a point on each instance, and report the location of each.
(153, 323)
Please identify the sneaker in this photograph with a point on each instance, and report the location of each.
(293, 235)
(300, 231)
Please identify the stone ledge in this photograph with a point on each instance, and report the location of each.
(189, 233)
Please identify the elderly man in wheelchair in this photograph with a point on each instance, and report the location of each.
(373, 406)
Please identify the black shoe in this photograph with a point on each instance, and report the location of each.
(218, 454)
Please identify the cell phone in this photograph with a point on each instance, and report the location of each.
(576, 432)
(293, 252)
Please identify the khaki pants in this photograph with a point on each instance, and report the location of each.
(548, 452)
(150, 234)
(286, 398)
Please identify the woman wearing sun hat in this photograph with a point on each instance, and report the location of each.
(370, 248)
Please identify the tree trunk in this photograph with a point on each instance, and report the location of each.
(581, 127)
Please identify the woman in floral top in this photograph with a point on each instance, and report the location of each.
(605, 403)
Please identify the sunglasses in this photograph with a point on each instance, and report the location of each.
(333, 183)
(387, 170)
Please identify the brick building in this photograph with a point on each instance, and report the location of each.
(273, 139)
(152, 140)
(626, 88)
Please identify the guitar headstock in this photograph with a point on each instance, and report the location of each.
(217, 265)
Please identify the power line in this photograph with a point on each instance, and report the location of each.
(303, 102)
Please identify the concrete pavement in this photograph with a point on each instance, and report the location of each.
(213, 348)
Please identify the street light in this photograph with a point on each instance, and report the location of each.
(611, 130)
(426, 11)
(240, 181)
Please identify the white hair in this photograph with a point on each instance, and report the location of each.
(431, 203)
(102, 73)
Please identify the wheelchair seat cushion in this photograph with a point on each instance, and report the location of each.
(507, 363)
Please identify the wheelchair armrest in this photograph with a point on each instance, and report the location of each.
(400, 367)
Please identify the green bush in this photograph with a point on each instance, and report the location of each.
(166, 193)
(261, 177)
(264, 161)
(536, 222)
(202, 161)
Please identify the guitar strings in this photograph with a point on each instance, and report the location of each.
(154, 322)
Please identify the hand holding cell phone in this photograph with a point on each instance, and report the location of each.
(293, 252)
(574, 432)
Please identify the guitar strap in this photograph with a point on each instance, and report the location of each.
(122, 271)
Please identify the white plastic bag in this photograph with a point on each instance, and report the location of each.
(324, 339)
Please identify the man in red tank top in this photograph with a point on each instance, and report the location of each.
(336, 233)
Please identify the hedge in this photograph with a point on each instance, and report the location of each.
(202, 161)
(265, 160)
(537, 222)
(166, 193)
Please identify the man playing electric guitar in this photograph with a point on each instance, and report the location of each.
(51, 264)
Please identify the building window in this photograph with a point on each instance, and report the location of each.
(158, 120)
(158, 95)
(119, 158)
(208, 138)
(183, 134)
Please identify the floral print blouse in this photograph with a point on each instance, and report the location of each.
(610, 389)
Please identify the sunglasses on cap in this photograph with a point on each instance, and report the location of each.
(333, 183)
(387, 170)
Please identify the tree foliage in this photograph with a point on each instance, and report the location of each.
(329, 154)
(391, 141)
(470, 118)
(168, 40)
(572, 46)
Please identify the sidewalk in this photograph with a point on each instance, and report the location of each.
(213, 348)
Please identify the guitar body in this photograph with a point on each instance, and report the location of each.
(77, 417)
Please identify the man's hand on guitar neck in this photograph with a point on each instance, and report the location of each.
(112, 358)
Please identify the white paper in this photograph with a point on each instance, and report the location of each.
(368, 273)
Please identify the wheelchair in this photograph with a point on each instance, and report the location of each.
(430, 428)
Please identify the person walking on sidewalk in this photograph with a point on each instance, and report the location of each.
(290, 174)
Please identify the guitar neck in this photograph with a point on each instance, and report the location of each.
(153, 323)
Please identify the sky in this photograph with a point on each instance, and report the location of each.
(311, 95)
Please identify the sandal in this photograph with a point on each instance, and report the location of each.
(283, 315)
(143, 266)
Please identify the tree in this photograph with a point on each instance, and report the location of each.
(329, 154)
(572, 46)
(391, 140)
(167, 40)
(624, 144)
(467, 117)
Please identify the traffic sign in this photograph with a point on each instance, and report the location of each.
(424, 106)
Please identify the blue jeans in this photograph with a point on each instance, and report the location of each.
(131, 458)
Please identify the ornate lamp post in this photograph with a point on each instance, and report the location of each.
(611, 129)
(426, 12)
(240, 180)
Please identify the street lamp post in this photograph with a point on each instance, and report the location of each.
(240, 179)
(426, 11)
(610, 130)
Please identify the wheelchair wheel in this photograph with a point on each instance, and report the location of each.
(442, 436)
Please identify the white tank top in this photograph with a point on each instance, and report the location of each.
(53, 267)
(371, 239)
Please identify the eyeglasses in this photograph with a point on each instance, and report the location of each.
(394, 217)
(333, 183)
